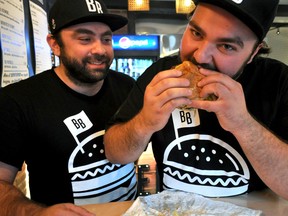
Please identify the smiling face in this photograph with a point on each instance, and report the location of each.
(217, 40)
(86, 51)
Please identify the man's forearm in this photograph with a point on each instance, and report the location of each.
(124, 143)
(267, 153)
(14, 202)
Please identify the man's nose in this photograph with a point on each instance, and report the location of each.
(98, 48)
(203, 54)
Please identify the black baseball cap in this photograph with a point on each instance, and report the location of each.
(64, 13)
(258, 15)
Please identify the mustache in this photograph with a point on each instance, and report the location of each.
(97, 57)
(203, 65)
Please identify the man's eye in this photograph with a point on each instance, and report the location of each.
(196, 34)
(228, 47)
(108, 40)
(85, 39)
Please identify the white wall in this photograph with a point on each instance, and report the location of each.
(159, 26)
(278, 44)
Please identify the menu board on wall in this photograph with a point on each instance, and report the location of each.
(40, 31)
(13, 43)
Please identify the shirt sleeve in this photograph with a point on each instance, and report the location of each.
(12, 132)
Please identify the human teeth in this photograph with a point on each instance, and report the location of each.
(96, 63)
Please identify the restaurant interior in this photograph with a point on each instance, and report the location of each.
(168, 19)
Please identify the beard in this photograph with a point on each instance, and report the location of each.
(79, 72)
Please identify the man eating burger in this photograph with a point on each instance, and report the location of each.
(233, 144)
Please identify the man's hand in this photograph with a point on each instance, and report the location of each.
(230, 107)
(165, 92)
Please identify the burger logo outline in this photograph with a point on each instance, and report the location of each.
(200, 150)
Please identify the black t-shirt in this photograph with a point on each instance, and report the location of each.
(193, 153)
(59, 134)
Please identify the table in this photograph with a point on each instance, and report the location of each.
(109, 209)
(266, 200)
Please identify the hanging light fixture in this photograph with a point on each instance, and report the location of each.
(184, 6)
(138, 5)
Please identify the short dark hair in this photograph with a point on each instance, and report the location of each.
(58, 38)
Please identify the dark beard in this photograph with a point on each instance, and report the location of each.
(78, 71)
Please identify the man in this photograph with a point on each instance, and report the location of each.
(220, 148)
(55, 121)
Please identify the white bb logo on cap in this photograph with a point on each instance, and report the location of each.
(94, 6)
(238, 1)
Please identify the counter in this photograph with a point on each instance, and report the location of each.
(265, 200)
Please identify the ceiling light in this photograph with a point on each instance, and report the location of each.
(138, 5)
(184, 6)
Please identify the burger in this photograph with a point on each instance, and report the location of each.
(191, 72)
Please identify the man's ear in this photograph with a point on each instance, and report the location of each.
(53, 44)
(255, 52)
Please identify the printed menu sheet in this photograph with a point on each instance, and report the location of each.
(43, 56)
(13, 43)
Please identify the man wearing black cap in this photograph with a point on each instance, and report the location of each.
(55, 120)
(226, 147)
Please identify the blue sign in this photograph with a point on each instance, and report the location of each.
(136, 42)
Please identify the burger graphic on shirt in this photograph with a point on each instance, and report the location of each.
(223, 171)
(93, 178)
(97, 179)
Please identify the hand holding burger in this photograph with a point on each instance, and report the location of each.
(191, 72)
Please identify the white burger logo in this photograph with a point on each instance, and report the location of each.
(206, 166)
(93, 177)
(238, 1)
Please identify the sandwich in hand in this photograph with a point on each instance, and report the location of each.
(191, 71)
